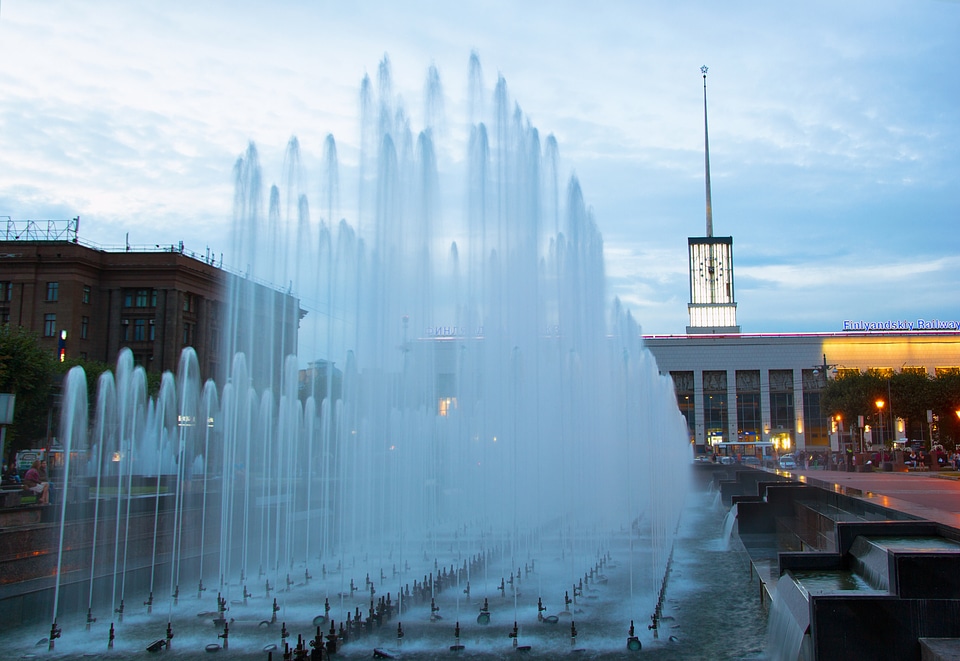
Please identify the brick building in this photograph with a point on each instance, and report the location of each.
(155, 301)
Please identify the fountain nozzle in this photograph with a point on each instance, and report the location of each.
(633, 642)
(55, 632)
(225, 634)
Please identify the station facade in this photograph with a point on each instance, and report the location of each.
(766, 387)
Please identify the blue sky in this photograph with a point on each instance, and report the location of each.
(834, 128)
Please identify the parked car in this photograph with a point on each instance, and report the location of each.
(751, 461)
(788, 463)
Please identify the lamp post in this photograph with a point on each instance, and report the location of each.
(824, 368)
(956, 444)
(880, 404)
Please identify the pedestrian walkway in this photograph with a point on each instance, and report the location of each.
(927, 495)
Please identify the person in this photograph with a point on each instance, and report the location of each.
(33, 483)
(10, 475)
(44, 477)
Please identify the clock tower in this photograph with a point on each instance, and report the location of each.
(712, 307)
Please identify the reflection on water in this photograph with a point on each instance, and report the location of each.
(713, 613)
(832, 580)
(712, 596)
(915, 544)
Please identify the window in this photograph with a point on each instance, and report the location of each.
(6, 291)
(4, 317)
(816, 421)
(139, 330)
(715, 406)
(140, 298)
(187, 302)
(84, 327)
(146, 298)
(781, 410)
(125, 330)
(683, 386)
(749, 427)
(49, 325)
(85, 298)
(782, 415)
(53, 291)
(151, 334)
(186, 334)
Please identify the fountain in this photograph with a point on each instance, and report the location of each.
(483, 434)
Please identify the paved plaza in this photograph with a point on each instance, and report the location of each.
(929, 495)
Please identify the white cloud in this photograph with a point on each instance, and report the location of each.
(832, 126)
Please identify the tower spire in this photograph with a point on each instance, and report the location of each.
(706, 153)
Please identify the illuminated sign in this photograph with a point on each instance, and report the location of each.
(901, 325)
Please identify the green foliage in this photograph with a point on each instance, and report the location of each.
(92, 368)
(910, 394)
(154, 380)
(27, 370)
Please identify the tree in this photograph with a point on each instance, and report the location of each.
(26, 370)
(946, 403)
(912, 394)
(852, 395)
(91, 368)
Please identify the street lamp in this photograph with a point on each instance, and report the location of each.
(956, 445)
(880, 404)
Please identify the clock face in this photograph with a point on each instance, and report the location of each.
(711, 267)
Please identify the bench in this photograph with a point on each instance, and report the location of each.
(15, 496)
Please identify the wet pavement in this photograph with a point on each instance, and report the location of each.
(928, 495)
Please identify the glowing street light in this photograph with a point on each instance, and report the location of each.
(880, 404)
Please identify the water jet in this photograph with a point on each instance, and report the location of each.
(463, 355)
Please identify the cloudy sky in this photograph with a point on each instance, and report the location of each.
(834, 128)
